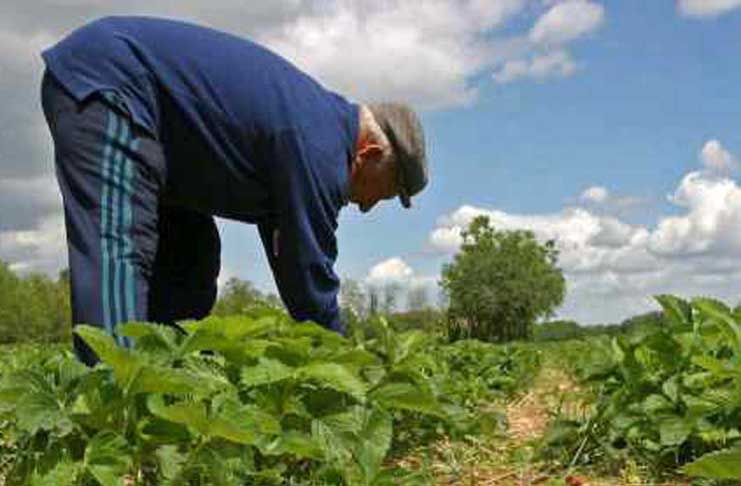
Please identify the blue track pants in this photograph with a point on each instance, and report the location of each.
(132, 256)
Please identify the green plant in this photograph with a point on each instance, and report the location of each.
(500, 283)
(667, 394)
(255, 399)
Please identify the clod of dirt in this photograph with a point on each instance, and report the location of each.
(576, 481)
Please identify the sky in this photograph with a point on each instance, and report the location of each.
(609, 126)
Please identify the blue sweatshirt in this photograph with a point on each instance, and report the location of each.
(280, 142)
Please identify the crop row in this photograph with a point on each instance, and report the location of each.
(667, 397)
(254, 399)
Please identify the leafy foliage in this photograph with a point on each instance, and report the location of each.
(254, 399)
(668, 394)
(478, 368)
(239, 296)
(428, 320)
(500, 283)
(557, 331)
(37, 308)
(33, 307)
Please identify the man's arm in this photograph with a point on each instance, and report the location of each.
(300, 243)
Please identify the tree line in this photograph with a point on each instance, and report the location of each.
(34, 307)
(37, 308)
(502, 285)
(495, 289)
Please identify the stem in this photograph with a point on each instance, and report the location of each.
(588, 431)
(581, 446)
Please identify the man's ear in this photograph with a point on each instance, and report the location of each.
(367, 151)
(370, 151)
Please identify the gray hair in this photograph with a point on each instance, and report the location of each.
(369, 125)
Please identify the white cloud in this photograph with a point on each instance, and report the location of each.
(599, 198)
(711, 223)
(24, 201)
(566, 21)
(446, 238)
(429, 53)
(552, 64)
(596, 194)
(545, 56)
(716, 158)
(423, 52)
(575, 229)
(396, 273)
(24, 142)
(42, 249)
(613, 267)
(615, 234)
(392, 270)
(706, 8)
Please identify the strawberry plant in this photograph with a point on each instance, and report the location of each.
(666, 396)
(255, 399)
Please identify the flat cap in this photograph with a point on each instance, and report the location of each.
(404, 132)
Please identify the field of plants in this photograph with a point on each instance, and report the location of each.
(259, 399)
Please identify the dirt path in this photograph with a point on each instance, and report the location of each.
(528, 416)
(510, 460)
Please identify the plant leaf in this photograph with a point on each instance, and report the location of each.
(294, 443)
(674, 430)
(721, 313)
(725, 464)
(676, 310)
(376, 441)
(38, 408)
(405, 396)
(191, 414)
(107, 458)
(124, 363)
(158, 379)
(336, 377)
(267, 371)
(170, 461)
(62, 474)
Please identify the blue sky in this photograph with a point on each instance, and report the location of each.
(651, 88)
(612, 126)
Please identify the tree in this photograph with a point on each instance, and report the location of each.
(352, 298)
(558, 331)
(272, 300)
(39, 317)
(374, 300)
(9, 303)
(648, 321)
(391, 293)
(33, 307)
(428, 320)
(500, 283)
(63, 318)
(238, 296)
(418, 298)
